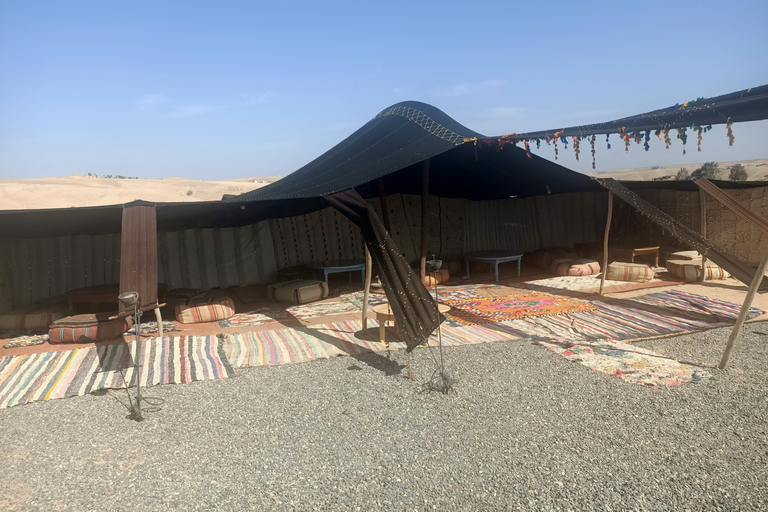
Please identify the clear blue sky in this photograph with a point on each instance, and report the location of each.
(228, 89)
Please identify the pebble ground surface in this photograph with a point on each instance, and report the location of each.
(525, 430)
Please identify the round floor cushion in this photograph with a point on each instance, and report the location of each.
(690, 270)
(578, 267)
(629, 272)
(88, 328)
(208, 307)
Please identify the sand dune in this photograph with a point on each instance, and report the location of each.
(78, 190)
(757, 170)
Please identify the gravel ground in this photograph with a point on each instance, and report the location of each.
(526, 429)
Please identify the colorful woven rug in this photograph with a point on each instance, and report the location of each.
(576, 283)
(629, 362)
(151, 327)
(269, 315)
(285, 346)
(444, 292)
(24, 338)
(481, 310)
(50, 375)
(656, 314)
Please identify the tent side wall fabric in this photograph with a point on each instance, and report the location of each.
(724, 228)
(34, 269)
(456, 226)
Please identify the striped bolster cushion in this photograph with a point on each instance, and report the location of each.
(205, 309)
(691, 270)
(630, 272)
(580, 267)
(13, 322)
(88, 328)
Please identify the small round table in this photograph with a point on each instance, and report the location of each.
(384, 314)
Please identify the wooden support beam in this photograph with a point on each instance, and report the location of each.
(384, 208)
(744, 309)
(159, 318)
(367, 289)
(605, 241)
(424, 220)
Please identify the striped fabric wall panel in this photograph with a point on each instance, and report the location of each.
(40, 268)
(234, 257)
(229, 262)
(318, 236)
(25, 277)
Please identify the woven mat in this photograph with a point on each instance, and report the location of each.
(479, 310)
(268, 315)
(25, 338)
(51, 375)
(629, 362)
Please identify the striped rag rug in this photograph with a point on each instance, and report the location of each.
(657, 314)
(297, 345)
(168, 360)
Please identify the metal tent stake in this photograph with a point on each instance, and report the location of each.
(129, 299)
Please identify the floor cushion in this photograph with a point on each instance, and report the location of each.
(575, 267)
(209, 307)
(544, 257)
(630, 272)
(298, 291)
(690, 270)
(22, 321)
(88, 328)
(684, 255)
(442, 276)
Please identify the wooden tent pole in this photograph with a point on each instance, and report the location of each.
(383, 201)
(703, 204)
(605, 241)
(756, 281)
(424, 220)
(367, 288)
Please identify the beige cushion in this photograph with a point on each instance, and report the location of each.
(298, 291)
(690, 270)
(630, 272)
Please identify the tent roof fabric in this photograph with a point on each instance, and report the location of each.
(397, 137)
(747, 105)
(393, 145)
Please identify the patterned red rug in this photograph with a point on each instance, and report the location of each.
(480, 310)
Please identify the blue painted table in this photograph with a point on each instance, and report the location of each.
(493, 258)
(336, 266)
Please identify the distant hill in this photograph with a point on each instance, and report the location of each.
(79, 190)
(757, 170)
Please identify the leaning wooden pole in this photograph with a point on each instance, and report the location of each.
(758, 279)
(367, 289)
(605, 241)
(424, 220)
(703, 204)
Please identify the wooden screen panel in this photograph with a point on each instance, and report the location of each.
(138, 261)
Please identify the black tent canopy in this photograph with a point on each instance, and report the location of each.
(393, 147)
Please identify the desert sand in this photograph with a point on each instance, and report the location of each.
(79, 190)
(757, 170)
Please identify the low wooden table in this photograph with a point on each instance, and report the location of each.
(493, 258)
(638, 251)
(384, 314)
(336, 266)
